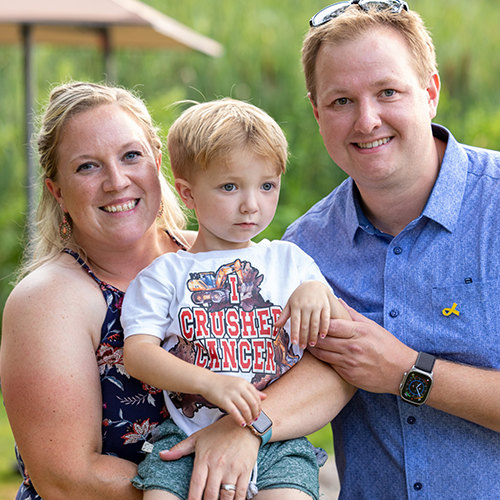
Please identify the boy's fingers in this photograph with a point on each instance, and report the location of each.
(285, 314)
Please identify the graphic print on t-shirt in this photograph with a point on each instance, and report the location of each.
(230, 329)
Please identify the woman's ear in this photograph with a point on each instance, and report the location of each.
(185, 191)
(158, 162)
(55, 191)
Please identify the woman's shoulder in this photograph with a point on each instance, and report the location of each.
(60, 279)
(186, 237)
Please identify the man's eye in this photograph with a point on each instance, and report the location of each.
(342, 101)
(389, 92)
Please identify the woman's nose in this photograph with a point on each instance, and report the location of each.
(116, 178)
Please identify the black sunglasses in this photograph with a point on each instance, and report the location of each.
(336, 9)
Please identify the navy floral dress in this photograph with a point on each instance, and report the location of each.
(131, 410)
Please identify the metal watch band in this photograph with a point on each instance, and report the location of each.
(425, 362)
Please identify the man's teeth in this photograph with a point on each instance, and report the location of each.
(369, 145)
(121, 208)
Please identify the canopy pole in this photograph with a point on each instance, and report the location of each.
(31, 176)
(109, 67)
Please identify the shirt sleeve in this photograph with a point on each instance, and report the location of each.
(146, 305)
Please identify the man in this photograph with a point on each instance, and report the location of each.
(412, 242)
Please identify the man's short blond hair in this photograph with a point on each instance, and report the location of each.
(210, 132)
(354, 23)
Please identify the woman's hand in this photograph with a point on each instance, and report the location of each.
(225, 453)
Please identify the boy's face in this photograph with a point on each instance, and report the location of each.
(233, 202)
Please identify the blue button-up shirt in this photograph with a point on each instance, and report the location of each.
(385, 448)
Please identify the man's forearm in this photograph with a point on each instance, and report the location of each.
(467, 392)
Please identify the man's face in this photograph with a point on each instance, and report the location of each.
(374, 116)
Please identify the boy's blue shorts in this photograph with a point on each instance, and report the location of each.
(283, 464)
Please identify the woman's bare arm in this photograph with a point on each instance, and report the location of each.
(51, 387)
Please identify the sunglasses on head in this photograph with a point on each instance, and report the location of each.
(337, 9)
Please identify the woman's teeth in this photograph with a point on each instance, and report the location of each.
(120, 208)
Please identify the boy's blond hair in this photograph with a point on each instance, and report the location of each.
(209, 132)
(354, 23)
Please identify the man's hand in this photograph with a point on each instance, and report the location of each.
(365, 354)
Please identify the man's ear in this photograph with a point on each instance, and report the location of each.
(315, 109)
(433, 91)
(185, 191)
(56, 191)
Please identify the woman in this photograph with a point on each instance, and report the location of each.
(106, 213)
(105, 208)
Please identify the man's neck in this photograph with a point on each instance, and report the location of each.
(391, 209)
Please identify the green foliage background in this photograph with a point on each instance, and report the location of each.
(262, 41)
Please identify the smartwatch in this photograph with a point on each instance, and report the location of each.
(416, 384)
(262, 427)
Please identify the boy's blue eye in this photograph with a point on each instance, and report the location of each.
(267, 186)
(228, 187)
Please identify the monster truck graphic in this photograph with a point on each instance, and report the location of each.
(237, 282)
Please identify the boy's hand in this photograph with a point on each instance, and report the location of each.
(239, 398)
(310, 308)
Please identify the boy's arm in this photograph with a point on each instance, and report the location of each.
(147, 361)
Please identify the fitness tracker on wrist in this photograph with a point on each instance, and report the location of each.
(416, 384)
(262, 427)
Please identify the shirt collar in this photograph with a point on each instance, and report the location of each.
(443, 205)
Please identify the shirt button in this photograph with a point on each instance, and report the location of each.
(394, 313)
(411, 420)
(417, 486)
(397, 250)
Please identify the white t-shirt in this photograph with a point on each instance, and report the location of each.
(217, 310)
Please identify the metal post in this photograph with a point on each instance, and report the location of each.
(31, 175)
(109, 67)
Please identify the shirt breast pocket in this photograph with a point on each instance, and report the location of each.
(466, 323)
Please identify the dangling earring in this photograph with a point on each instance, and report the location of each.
(64, 230)
(160, 211)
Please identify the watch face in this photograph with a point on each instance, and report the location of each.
(416, 387)
(262, 424)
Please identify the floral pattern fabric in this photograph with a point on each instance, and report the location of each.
(131, 410)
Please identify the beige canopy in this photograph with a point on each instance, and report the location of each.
(129, 23)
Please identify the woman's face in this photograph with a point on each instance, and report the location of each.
(108, 178)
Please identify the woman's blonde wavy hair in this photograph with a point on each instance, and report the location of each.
(66, 101)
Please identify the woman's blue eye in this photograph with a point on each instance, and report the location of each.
(132, 155)
(84, 166)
